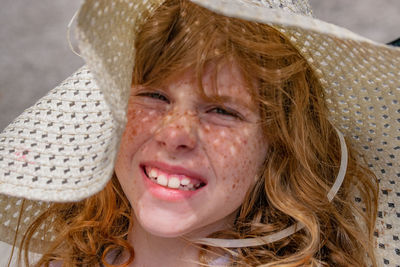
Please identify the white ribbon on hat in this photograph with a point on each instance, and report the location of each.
(259, 241)
(69, 34)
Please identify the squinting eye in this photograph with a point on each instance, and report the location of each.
(154, 95)
(224, 112)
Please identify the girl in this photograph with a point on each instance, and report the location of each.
(229, 154)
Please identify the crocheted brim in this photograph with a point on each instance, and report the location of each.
(63, 147)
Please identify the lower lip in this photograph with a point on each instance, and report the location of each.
(167, 194)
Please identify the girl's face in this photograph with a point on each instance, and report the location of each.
(186, 161)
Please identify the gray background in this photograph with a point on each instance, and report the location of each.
(35, 57)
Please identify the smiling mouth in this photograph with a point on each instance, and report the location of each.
(173, 181)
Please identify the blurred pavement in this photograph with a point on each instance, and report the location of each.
(35, 57)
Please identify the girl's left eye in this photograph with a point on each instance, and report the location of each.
(154, 95)
(225, 112)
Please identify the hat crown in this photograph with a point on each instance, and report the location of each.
(293, 6)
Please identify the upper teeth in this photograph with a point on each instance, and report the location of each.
(152, 173)
(185, 181)
(162, 179)
(172, 180)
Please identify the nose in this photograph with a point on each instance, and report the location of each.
(178, 133)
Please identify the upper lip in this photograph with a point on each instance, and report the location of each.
(174, 169)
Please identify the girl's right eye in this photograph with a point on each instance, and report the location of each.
(154, 95)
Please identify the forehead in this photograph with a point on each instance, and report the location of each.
(217, 81)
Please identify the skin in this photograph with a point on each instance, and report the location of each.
(218, 140)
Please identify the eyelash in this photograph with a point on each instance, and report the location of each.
(155, 95)
(217, 110)
(222, 111)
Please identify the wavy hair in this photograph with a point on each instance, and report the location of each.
(302, 163)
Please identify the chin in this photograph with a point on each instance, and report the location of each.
(165, 223)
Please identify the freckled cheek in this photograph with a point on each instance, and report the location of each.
(236, 186)
(140, 125)
(228, 145)
(229, 150)
(236, 157)
(239, 179)
(141, 122)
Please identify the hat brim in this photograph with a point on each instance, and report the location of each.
(63, 148)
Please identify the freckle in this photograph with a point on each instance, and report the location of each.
(233, 186)
(132, 133)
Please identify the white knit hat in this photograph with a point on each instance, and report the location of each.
(63, 148)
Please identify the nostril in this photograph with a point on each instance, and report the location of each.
(182, 147)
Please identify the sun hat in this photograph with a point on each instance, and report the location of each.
(63, 148)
